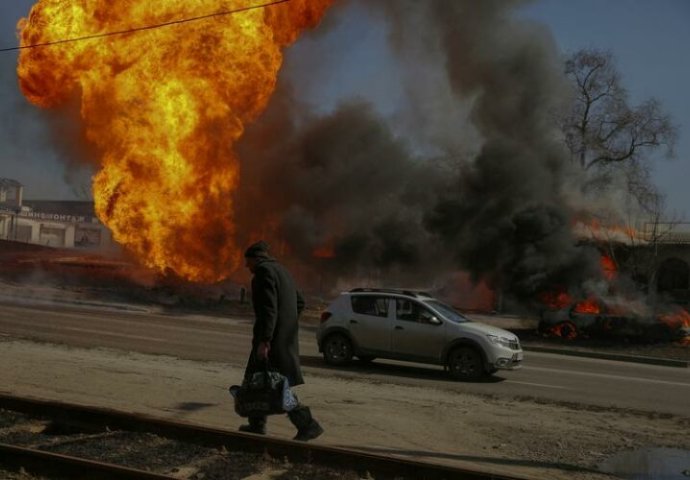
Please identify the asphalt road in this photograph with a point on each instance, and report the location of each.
(544, 377)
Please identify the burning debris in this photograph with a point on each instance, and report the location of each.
(611, 311)
(596, 319)
(678, 321)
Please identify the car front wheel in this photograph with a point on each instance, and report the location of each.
(465, 363)
(337, 350)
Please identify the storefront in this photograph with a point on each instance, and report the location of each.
(58, 230)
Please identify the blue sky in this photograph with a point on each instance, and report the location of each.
(649, 40)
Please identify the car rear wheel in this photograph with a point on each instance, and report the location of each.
(465, 363)
(337, 350)
(565, 330)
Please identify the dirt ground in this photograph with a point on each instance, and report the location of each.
(518, 437)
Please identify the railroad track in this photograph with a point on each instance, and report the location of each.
(177, 450)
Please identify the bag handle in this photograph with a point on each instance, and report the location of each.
(266, 369)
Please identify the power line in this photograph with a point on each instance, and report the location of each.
(147, 27)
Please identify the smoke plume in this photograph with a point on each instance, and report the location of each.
(342, 185)
(372, 191)
(469, 173)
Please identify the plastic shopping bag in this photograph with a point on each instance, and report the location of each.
(263, 393)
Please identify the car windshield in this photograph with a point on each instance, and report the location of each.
(447, 311)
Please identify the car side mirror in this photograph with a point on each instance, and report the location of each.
(433, 320)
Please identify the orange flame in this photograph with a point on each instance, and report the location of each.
(604, 232)
(587, 306)
(565, 330)
(678, 321)
(609, 267)
(164, 107)
(324, 252)
(555, 300)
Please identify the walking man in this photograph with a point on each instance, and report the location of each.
(277, 306)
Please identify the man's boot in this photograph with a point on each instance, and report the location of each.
(307, 427)
(256, 425)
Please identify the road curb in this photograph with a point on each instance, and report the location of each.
(57, 302)
(666, 362)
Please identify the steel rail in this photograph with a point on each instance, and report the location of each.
(39, 462)
(88, 417)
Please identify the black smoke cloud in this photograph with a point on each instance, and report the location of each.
(507, 218)
(343, 182)
(347, 181)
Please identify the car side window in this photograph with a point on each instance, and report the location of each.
(409, 311)
(370, 305)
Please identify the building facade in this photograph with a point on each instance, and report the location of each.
(59, 224)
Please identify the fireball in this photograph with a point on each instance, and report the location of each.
(164, 107)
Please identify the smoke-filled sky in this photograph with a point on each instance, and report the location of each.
(403, 132)
(648, 39)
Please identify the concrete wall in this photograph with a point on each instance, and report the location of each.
(79, 235)
(5, 221)
(657, 261)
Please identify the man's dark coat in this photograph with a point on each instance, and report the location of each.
(277, 306)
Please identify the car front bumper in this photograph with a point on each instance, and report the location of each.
(510, 360)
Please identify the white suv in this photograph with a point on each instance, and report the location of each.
(413, 326)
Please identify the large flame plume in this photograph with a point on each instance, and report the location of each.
(164, 107)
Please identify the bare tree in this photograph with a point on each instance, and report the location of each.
(601, 128)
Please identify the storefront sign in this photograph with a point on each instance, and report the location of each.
(56, 217)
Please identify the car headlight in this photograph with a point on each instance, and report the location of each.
(503, 341)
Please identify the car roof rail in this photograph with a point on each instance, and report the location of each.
(409, 293)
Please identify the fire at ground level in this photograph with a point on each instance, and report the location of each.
(114, 278)
(646, 290)
(644, 296)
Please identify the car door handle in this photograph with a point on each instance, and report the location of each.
(354, 321)
(399, 328)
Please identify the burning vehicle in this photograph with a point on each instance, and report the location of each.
(599, 319)
(613, 311)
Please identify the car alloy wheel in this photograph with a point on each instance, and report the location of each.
(337, 350)
(465, 363)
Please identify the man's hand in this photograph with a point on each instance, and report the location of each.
(262, 350)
